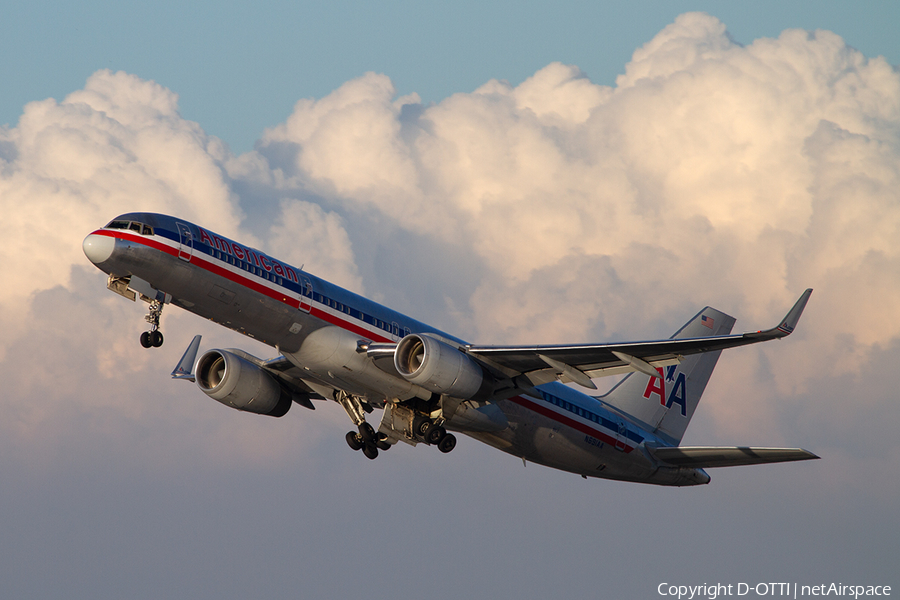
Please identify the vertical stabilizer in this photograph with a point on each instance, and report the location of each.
(665, 405)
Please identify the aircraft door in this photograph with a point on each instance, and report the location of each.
(621, 435)
(306, 287)
(186, 245)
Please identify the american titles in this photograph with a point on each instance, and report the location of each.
(249, 255)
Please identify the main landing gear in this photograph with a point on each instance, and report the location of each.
(367, 440)
(424, 429)
(434, 434)
(154, 337)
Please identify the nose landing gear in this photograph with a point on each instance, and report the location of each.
(151, 339)
(154, 337)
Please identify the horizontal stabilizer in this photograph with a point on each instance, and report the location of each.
(707, 457)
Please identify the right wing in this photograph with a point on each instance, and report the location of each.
(579, 363)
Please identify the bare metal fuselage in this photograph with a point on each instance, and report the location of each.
(320, 329)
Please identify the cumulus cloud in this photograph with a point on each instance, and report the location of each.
(712, 171)
(116, 146)
(68, 353)
(563, 211)
(300, 236)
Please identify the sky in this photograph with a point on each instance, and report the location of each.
(510, 173)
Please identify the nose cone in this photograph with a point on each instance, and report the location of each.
(98, 248)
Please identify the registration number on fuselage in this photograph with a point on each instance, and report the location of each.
(593, 441)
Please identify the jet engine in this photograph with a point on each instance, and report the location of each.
(236, 382)
(438, 367)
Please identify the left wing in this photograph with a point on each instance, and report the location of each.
(279, 367)
(579, 363)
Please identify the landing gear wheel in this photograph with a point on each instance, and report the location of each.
(435, 434)
(421, 425)
(354, 440)
(382, 443)
(371, 452)
(367, 432)
(448, 443)
(154, 337)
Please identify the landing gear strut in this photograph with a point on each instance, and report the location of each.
(367, 439)
(154, 337)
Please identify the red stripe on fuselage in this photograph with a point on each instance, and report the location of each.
(246, 282)
(322, 315)
(567, 421)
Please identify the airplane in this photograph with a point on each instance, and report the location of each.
(335, 345)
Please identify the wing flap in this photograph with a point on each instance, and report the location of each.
(285, 371)
(707, 457)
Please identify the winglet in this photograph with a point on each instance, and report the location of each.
(185, 367)
(790, 321)
(787, 324)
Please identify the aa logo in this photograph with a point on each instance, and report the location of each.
(677, 393)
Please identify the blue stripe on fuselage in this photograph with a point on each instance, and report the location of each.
(584, 412)
(589, 413)
(327, 301)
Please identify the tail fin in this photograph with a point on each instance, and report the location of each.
(666, 404)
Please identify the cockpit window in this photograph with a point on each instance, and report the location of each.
(141, 228)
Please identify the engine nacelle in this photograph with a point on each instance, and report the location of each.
(438, 367)
(236, 382)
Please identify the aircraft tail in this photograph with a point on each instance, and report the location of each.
(665, 404)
